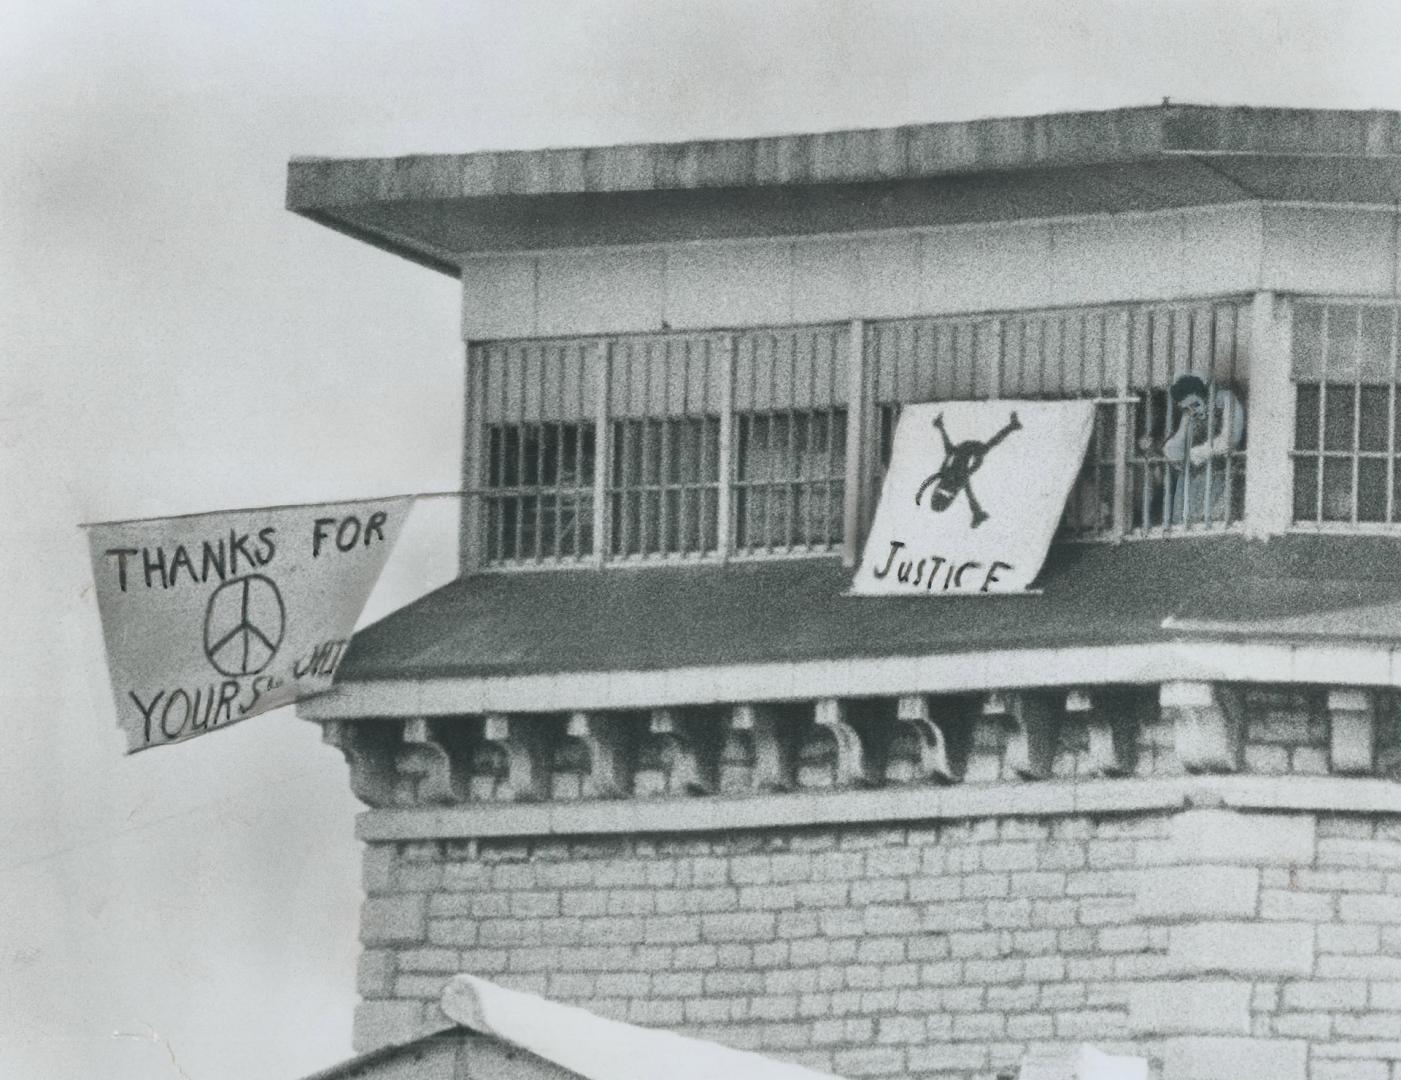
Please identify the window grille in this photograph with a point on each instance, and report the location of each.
(1345, 418)
(789, 482)
(1166, 341)
(701, 445)
(665, 398)
(1122, 353)
(539, 453)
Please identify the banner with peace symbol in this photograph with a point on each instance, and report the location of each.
(212, 618)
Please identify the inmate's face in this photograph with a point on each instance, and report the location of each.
(1194, 405)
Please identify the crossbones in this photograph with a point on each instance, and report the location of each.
(960, 462)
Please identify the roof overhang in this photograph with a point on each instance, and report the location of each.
(439, 209)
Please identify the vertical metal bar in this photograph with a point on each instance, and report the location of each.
(1119, 504)
(1155, 362)
(1213, 400)
(664, 453)
(603, 451)
(508, 423)
(470, 535)
(1324, 333)
(1148, 464)
(855, 426)
(807, 493)
(1233, 462)
(540, 462)
(1356, 413)
(684, 461)
(724, 468)
(1391, 425)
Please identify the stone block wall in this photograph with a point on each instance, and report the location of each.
(1220, 943)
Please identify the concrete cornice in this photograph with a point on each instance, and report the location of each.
(913, 151)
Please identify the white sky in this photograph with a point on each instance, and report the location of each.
(171, 339)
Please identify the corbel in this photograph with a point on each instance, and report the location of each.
(369, 748)
(1031, 744)
(1111, 728)
(774, 757)
(1352, 727)
(934, 760)
(690, 769)
(524, 742)
(1208, 723)
(855, 764)
(605, 736)
(436, 759)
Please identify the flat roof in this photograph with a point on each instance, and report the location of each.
(439, 208)
(1294, 588)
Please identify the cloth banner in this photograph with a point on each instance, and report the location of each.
(212, 618)
(973, 495)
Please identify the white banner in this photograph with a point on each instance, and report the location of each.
(973, 495)
(212, 618)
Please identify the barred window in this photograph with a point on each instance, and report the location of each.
(790, 440)
(1127, 355)
(539, 454)
(1345, 417)
(664, 398)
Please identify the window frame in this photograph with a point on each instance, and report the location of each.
(1390, 525)
(853, 400)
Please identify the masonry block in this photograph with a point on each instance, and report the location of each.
(1242, 948)
(377, 868)
(1189, 892)
(375, 973)
(1242, 839)
(1352, 720)
(1208, 721)
(1190, 1007)
(394, 920)
(383, 1023)
(1223, 1058)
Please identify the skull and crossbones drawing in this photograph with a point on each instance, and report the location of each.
(961, 461)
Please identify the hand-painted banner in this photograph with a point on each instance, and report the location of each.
(973, 495)
(212, 618)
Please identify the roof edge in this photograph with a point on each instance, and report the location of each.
(907, 152)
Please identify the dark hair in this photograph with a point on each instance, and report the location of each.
(1186, 386)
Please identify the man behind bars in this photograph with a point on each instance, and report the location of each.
(1212, 425)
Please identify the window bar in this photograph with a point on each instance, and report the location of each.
(1122, 419)
(664, 456)
(707, 348)
(1213, 400)
(1143, 459)
(540, 463)
(811, 397)
(561, 367)
(768, 443)
(1391, 426)
(855, 427)
(1356, 414)
(724, 467)
(688, 451)
(602, 452)
(1155, 362)
(1233, 463)
(631, 471)
(520, 465)
(1322, 404)
(504, 426)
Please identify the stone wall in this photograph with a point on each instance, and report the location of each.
(1271, 941)
(1229, 927)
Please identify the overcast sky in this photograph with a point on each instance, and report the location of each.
(171, 340)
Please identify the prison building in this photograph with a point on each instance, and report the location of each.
(647, 756)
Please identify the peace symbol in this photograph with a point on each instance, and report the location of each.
(243, 625)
